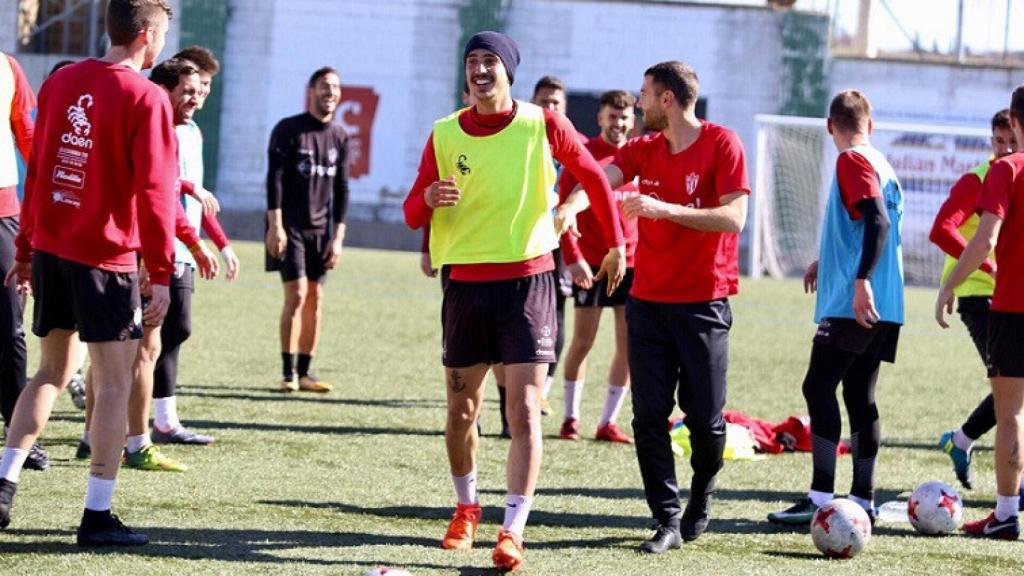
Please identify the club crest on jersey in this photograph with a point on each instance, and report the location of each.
(332, 156)
(464, 168)
(692, 179)
(80, 124)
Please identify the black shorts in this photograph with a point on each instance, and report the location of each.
(505, 321)
(878, 342)
(1005, 351)
(10, 301)
(974, 311)
(305, 256)
(597, 295)
(103, 306)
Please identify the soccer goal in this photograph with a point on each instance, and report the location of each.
(795, 163)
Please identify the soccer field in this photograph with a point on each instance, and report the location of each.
(338, 484)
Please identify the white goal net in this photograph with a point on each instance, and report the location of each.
(794, 169)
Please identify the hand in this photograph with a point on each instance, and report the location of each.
(210, 204)
(231, 262)
(864, 304)
(205, 260)
(425, 266)
(334, 254)
(21, 273)
(582, 276)
(811, 278)
(613, 267)
(276, 241)
(159, 301)
(644, 206)
(145, 286)
(442, 193)
(565, 221)
(944, 305)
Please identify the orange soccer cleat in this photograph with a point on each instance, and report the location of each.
(462, 528)
(508, 553)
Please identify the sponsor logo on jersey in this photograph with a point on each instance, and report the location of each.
(81, 127)
(464, 168)
(63, 176)
(67, 198)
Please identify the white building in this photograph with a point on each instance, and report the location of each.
(405, 55)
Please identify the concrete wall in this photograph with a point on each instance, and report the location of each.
(921, 92)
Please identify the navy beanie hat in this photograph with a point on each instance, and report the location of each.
(503, 46)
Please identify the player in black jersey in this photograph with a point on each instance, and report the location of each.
(307, 196)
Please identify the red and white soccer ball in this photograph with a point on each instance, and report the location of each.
(935, 508)
(841, 528)
(385, 571)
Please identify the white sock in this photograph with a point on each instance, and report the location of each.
(546, 389)
(11, 464)
(99, 494)
(612, 404)
(1006, 506)
(820, 498)
(165, 413)
(136, 443)
(85, 437)
(573, 396)
(867, 505)
(465, 488)
(962, 441)
(517, 510)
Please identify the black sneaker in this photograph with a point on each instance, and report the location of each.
(37, 458)
(800, 513)
(695, 518)
(666, 537)
(84, 451)
(105, 529)
(7, 489)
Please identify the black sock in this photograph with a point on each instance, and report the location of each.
(288, 364)
(304, 362)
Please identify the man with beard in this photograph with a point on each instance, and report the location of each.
(307, 196)
(486, 168)
(692, 200)
(582, 255)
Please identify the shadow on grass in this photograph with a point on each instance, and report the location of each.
(549, 519)
(924, 445)
(638, 494)
(795, 555)
(268, 395)
(270, 427)
(227, 545)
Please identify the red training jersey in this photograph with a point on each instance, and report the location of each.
(23, 128)
(857, 181)
(590, 246)
(676, 263)
(958, 207)
(1003, 195)
(102, 179)
(566, 148)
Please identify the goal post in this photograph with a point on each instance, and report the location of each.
(794, 166)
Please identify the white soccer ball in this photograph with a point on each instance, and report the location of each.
(841, 528)
(386, 571)
(935, 508)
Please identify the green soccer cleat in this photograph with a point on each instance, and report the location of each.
(800, 513)
(150, 458)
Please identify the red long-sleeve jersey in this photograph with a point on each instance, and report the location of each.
(102, 178)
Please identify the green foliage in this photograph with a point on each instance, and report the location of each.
(340, 483)
(476, 16)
